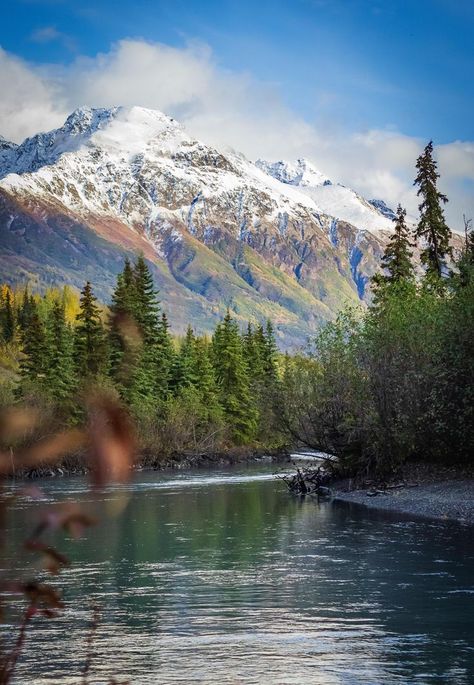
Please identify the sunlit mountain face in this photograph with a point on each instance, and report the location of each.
(264, 239)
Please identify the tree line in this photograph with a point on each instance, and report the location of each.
(197, 393)
(396, 382)
(375, 387)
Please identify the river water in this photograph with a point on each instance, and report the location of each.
(222, 577)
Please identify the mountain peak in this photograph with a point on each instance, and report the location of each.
(6, 144)
(121, 130)
(299, 173)
(88, 119)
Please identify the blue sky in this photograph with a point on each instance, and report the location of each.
(357, 86)
(400, 64)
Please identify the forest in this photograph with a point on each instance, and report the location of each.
(376, 387)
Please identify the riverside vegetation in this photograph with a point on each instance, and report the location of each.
(197, 393)
(375, 388)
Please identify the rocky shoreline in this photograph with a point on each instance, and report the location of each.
(426, 491)
(77, 465)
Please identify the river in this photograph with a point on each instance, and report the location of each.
(222, 577)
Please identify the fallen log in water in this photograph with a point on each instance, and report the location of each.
(309, 481)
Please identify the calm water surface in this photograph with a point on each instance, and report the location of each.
(221, 577)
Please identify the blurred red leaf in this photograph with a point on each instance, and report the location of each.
(68, 516)
(52, 559)
(111, 441)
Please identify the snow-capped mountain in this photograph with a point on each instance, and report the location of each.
(301, 173)
(266, 239)
(333, 199)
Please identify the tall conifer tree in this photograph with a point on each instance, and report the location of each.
(164, 359)
(233, 381)
(206, 379)
(8, 315)
(147, 306)
(270, 353)
(396, 260)
(184, 368)
(122, 325)
(33, 365)
(60, 375)
(90, 350)
(432, 227)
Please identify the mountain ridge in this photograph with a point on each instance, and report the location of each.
(219, 230)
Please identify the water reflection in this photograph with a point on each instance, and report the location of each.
(223, 578)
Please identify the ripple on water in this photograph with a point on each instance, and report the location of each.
(227, 579)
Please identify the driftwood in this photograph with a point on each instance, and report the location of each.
(308, 481)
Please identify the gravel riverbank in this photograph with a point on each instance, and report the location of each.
(451, 499)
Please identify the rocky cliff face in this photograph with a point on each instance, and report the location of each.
(272, 240)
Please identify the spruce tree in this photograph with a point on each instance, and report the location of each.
(25, 310)
(34, 363)
(264, 379)
(184, 371)
(205, 380)
(146, 304)
(60, 379)
(253, 345)
(147, 309)
(233, 381)
(140, 391)
(164, 361)
(432, 228)
(270, 354)
(90, 350)
(122, 326)
(396, 261)
(7, 315)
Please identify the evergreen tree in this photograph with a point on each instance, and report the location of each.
(465, 263)
(270, 354)
(150, 369)
(122, 328)
(146, 304)
(90, 349)
(7, 315)
(33, 365)
(25, 310)
(396, 260)
(60, 381)
(264, 379)
(141, 392)
(248, 345)
(261, 353)
(233, 381)
(164, 359)
(254, 346)
(432, 227)
(205, 380)
(184, 369)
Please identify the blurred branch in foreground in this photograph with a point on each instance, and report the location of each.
(107, 440)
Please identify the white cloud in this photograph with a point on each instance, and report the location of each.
(50, 34)
(226, 108)
(29, 102)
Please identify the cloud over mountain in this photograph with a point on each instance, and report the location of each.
(224, 107)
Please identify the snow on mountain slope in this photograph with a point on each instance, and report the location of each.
(125, 149)
(336, 200)
(302, 173)
(383, 208)
(117, 145)
(255, 237)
